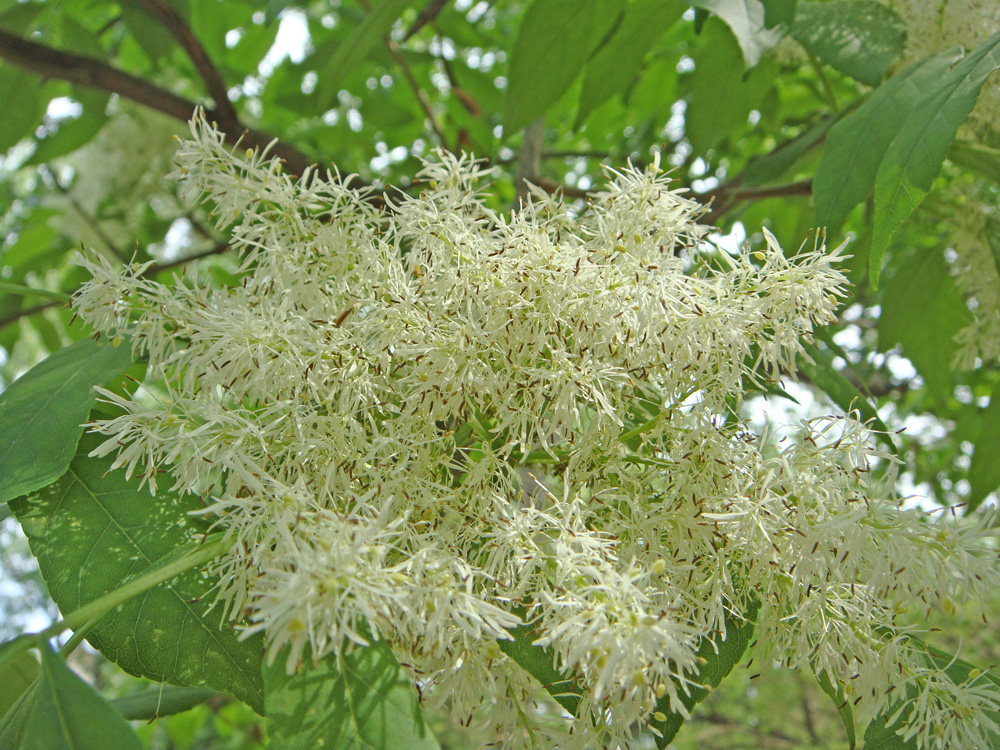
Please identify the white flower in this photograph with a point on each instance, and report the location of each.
(432, 424)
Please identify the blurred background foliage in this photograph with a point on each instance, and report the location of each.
(773, 113)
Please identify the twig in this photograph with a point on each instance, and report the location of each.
(411, 80)
(25, 312)
(807, 712)
(418, 91)
(88, 218)
(96, 74)
(828, 94)
(560, 155)
(551, 186)
(529, 162)
(464, 98)
(426, 16)
(725, 197)
(171, 20)
(153, 269)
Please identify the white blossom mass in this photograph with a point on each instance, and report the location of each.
(434, 422)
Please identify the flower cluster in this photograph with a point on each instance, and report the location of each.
(975, 237)
(435, 423)
(943, 24)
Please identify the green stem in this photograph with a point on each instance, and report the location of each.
(831, 98)
(163, 700)
(30, 291)
(85, 617)
(77, 638)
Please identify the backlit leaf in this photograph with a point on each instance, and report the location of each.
(855, 145)
(93, 530)
(922, 310)
(747, 20)
(859, 38)
(361, 701)
(984, 472)
(615, 65)
(914, 158)
(555, 40)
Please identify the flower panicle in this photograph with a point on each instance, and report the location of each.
(445, 427)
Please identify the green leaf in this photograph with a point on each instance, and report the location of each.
(855, 145)
(12, 726)
(35, 238)
(843, 707)
(771, 166)
(68, 714)
(252, 47)
(147, 31)
(718, 77)
(747, 20)
(718, 656)
(922, 310)
(353, 50)
(984, 472)
(16, 675)
(859, 38)
(914, 158)
(23, 105)
(18, 19)
(880, 735)
(71, 135)
(615, 65)
(779, 13)
(361, 701)
(75, 37)
(555, 40)
(976, 156)
(273, 9)
(42, 413)
(539, 662)
(92, 531)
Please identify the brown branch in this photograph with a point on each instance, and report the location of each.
(426, 16)
(411, 80)
(156, 268)
(559, 155)
(418, 91)
(172, 21)
(96, 74)
(724, 197)
(25, 312)
(551, 186)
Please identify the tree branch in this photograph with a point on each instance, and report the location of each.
(422, 98)
(426, 16)
(724, 197)
(529, 162)
(172, 21)
(411, 80)
(96, 74)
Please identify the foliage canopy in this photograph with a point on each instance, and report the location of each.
(869, 121)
